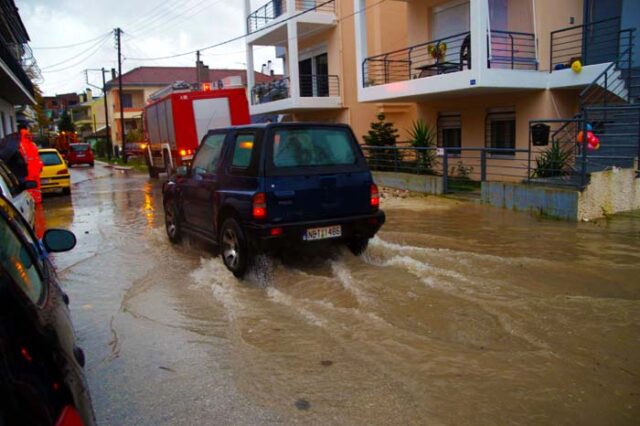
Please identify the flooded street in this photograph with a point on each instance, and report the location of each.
(456, 314)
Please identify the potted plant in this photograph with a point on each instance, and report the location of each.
(437, 51)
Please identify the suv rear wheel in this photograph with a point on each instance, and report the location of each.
(234, 247)
(358, 245)
(172, 223)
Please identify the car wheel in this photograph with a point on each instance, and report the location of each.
(66, 191)
(172, 223)
(358, 245)
(91, 164)
(234, 248)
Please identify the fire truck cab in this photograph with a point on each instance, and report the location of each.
(177, 118)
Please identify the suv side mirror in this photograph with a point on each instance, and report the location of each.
(182, 171)
(57, 240)
(29, 184)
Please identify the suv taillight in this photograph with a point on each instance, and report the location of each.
(375, 196)
(259, 206)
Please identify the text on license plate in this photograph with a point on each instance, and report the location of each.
(323, 233)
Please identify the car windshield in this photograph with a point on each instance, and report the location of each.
(312, 147)
(79, 148)
(50, 158)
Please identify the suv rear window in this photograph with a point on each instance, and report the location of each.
(309, 147)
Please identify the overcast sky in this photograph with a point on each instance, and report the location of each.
(151, 28)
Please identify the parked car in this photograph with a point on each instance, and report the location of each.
(16, 192)
(55, 174)
(80, 153)
(41, 369)
(267, 187)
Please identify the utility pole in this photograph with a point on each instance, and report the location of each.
(106, 108)
(118, 32)
(198, 68)
(106, 115)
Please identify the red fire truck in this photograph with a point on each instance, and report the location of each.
(176, 121)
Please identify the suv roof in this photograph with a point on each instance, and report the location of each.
(287, 124)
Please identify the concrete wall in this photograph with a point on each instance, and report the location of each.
(424, 184)
(609, 192)
(544, 201)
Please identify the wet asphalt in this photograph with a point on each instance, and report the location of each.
(456, 314)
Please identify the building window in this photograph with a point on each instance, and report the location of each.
(500, 131)
(450, 132)
(127, 100)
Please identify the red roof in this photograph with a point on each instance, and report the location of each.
(161, 76)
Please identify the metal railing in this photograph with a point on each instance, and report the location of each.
(262, 16)
(613, 85)
(271, 91)
(316, 5)
(461, 169)
(511, 49)
(567, 157)
(594, 43)
(318, 85)
(311, 86)
(15, 66)
(441, 56)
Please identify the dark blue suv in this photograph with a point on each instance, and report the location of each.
(267, 187)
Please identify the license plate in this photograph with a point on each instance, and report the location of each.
(44, 180)
(323, 233)
(80, 155)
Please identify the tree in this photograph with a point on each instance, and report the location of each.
(424, 136)
(382, 134)
(65, 124)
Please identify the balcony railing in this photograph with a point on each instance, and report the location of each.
(319, 85)
(442, 56)
(14, 65)
(514, 50)
(595, 43)
(311, 86)
(263, 16)
(272, 91)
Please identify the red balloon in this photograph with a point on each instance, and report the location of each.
(590, 138)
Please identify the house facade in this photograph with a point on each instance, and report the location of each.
(88, 115)
(140, 83)
(15, 85)
(481, 71)
(314, 40)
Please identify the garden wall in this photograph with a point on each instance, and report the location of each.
(425, 184)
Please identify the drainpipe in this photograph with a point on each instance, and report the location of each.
(361, 41)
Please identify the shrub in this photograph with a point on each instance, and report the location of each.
(382, 134)
(424, 136)
(553, 162)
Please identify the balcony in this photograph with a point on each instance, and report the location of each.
(267, 24)
(317, 92)
(17, 85)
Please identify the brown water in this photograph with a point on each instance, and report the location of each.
(456, 314)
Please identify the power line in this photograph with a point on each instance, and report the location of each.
(92, 53)
(100, 42)
(178, 13)
(240, 37)
(70, 45)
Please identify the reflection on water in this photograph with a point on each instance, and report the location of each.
(456, 314)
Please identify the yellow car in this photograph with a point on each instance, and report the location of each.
(55, 174)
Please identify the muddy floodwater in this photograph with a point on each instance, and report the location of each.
(456, 314)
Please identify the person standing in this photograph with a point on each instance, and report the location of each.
(29, 151)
